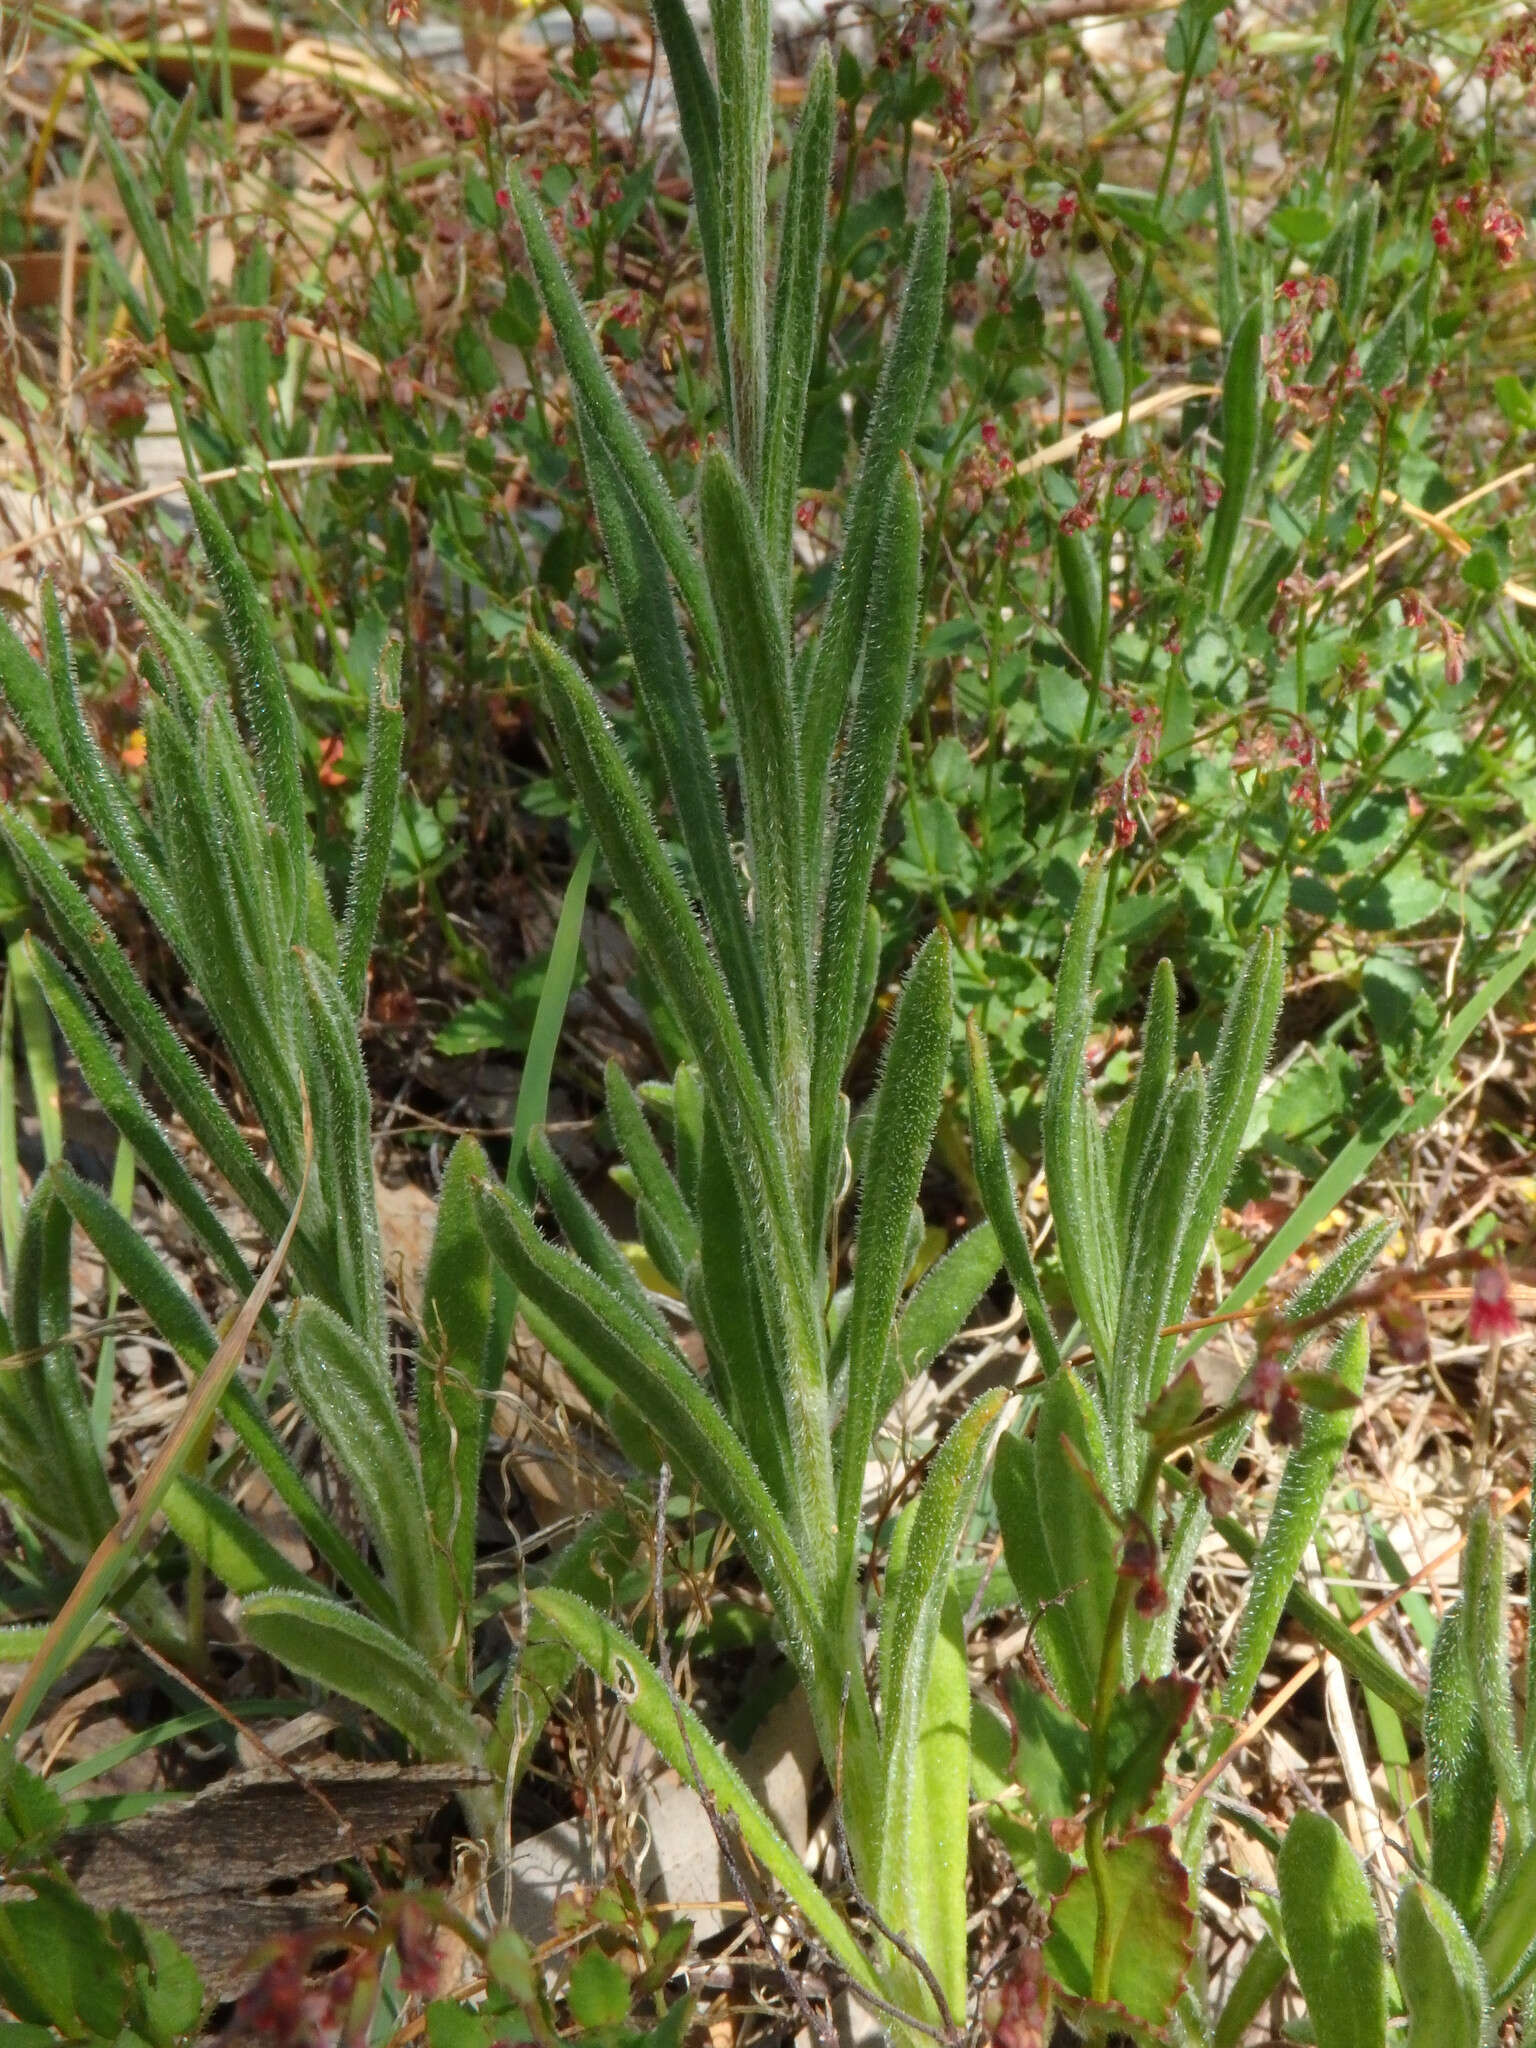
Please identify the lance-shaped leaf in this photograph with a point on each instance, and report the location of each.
(29, 694)
(1318, 1293)
(99, 958)
(797, 293)
(1444, 1985)
(620, 436)
(1237, 1069)
(939, 1307)
(93, 789)
(939, 1812)
(1486, 1636)
(121, 1099)
(1082, 589)
(665, 686)
(698, 114)
(899, 398)
(1331, 1932)
(670, 1234)
(1103, 356)
(340, 1102)
(231, 1547)
(263, 698)
(862, 800)
(585, 1231)
(1506, 1934)
(347, 1397)
(657, 1381)
(1158, 1047)
(350, 1654)
(1228, 276)
(45, 1424)
(533, 1090)
(722, 1290)
(244, 838)
(744, 62)
(148, 232)
(1299, 1501)
(926, 1901)
(1147, 1298)
(1463, 1790)
(186, 674)
(179, 1320)
(453, 1410)
(114, 1555)
(698, 999)
(681, 1737)
(1072, 1477)
(756, 677)
(1073, 1168)
(1242, 409)
(219, 957)
(905, 1113)
(994, 1180)
(370, 849)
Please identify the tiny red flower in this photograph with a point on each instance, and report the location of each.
(1491, 1319)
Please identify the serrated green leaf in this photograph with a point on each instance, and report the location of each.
(1148, 1946)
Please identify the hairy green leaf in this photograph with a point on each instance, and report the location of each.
(1331, 1932)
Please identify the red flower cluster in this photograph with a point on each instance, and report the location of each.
(1307, 791)
(1419, 613)
(1019, 2012)
(1492, 1319)
(1139, 1561)
(1512, 53)
(1496, 222)
(289, 2007)
(1288, 351)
